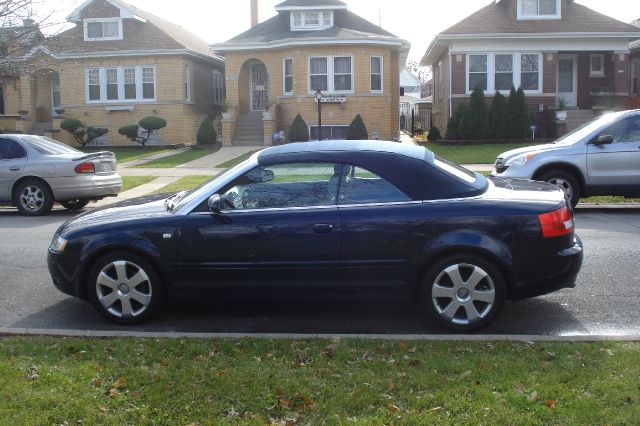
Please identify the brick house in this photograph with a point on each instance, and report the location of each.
(553, 49)
(274, 69)
(635, 69)
(117, 65)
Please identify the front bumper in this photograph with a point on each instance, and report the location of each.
(65, 276)
(560, 271)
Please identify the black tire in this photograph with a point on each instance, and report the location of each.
(118, 295)
(462, 306)
(566, 181)
(33, 197)
(75, 205)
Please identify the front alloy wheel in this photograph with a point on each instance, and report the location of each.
(124, 288)
(463, 293)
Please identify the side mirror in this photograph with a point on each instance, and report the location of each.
(603, 140)
(215, 204)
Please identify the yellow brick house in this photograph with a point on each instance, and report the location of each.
(117, 65)
(274, 70)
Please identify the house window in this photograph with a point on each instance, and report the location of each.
(218, 88)
(504, 72)
(331, 74)
(311, 20)
(538, 9)
(530, 72)
(440, 80)
(288, 76)
(102, 29)
(477, 72)
(376, 73)
(187, 83)
(131, 84)
(329, 132)
(596, 66)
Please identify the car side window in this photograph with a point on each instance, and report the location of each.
(11, 150)
(627, 130)
(282, 186)
(361, 186)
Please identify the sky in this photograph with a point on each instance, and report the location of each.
(416, 21)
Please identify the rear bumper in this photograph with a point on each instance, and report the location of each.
(90, 186)
(560, 271)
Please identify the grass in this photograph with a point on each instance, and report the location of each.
(130, 182)
(608, 199)
(235, 161)
(259, 382)
(472, 154)
(126, 155)
(178, 159)
(184, 184)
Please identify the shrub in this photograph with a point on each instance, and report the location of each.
(357, 130)
(148, 125)
(453, 127)
(498, 118)
(519, 119)
(434, 134)
(474, 123)
(298, 132)
(82, 134)
(206, 133)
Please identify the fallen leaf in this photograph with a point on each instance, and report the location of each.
(120, 382)
(551, 403)
(393, 408)
(390, 385)
(533, 396)
(113, 393)
(221, 373)
(402, 345)
(435, 409)
(465, 374)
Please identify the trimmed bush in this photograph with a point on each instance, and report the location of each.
(519, 118)
(434, 134)
(453, 127)
(357, 130)
(148, 125)
(298, 132)
(474, 123)
(130, 131)
(498, 118)
(207, 133)
(82, 134)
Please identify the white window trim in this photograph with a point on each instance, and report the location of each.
(517, 71)
(121, 99)
(381, 73)
(86, 29)
(523, 17)
(187, 83)
(284, 76)
(596, 73)
(321, 25)
(331, 74)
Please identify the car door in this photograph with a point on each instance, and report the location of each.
(615, 167)
(278, 225)
(13, 159)
(379, 229)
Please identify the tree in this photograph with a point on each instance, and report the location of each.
(357, 130)
(453, 127)
(498, 118)
(424, 75)
(206, 133)
(518, 114)
(298, 132)
(82, 134)
(148, 125)
(434, 134)
(474, 123)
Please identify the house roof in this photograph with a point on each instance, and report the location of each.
(407, 79)
(14, 43)
(494, 20)
(635, 44)
(310, 4)
(144, 32)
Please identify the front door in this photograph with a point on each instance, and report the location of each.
(568, 79)
(259, 87)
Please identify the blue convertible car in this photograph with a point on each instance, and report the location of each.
(338, 214)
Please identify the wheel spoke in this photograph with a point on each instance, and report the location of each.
(143, 299)
(107, 281)
(127, 309)
(486, 296)
(108, 300)
(454, 274)
(472, 312)
(137, 279)
(121, 270)
(475, 278)
(450, 311)
(444, 292)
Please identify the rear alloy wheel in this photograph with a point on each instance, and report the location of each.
(125, 288)
(75, 205)
(463, 293)
(564, 181)
(33, 198)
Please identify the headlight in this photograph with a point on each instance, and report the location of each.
(58, 244)
(519, 160)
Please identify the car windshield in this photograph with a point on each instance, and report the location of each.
(586, 129)
(47, 146)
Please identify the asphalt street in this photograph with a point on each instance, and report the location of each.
(605, 301)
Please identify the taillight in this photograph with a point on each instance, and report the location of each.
(557, 223)
(85, 168)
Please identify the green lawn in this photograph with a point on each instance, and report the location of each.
(130, 182)
(339, 382)
(604, 199)
(178, 159)
(235, 161)
(472, 154)
(125, 155)
(184, 184)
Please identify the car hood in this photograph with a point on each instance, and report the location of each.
(531, 149)
(151, 206)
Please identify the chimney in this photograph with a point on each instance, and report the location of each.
(254, 13)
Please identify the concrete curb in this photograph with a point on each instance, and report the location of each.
(6, 332)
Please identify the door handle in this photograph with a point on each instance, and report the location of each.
(322, 228)
(15, 169)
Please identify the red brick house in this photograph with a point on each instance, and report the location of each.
(554, 49)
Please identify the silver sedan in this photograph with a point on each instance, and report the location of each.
(36, 171)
